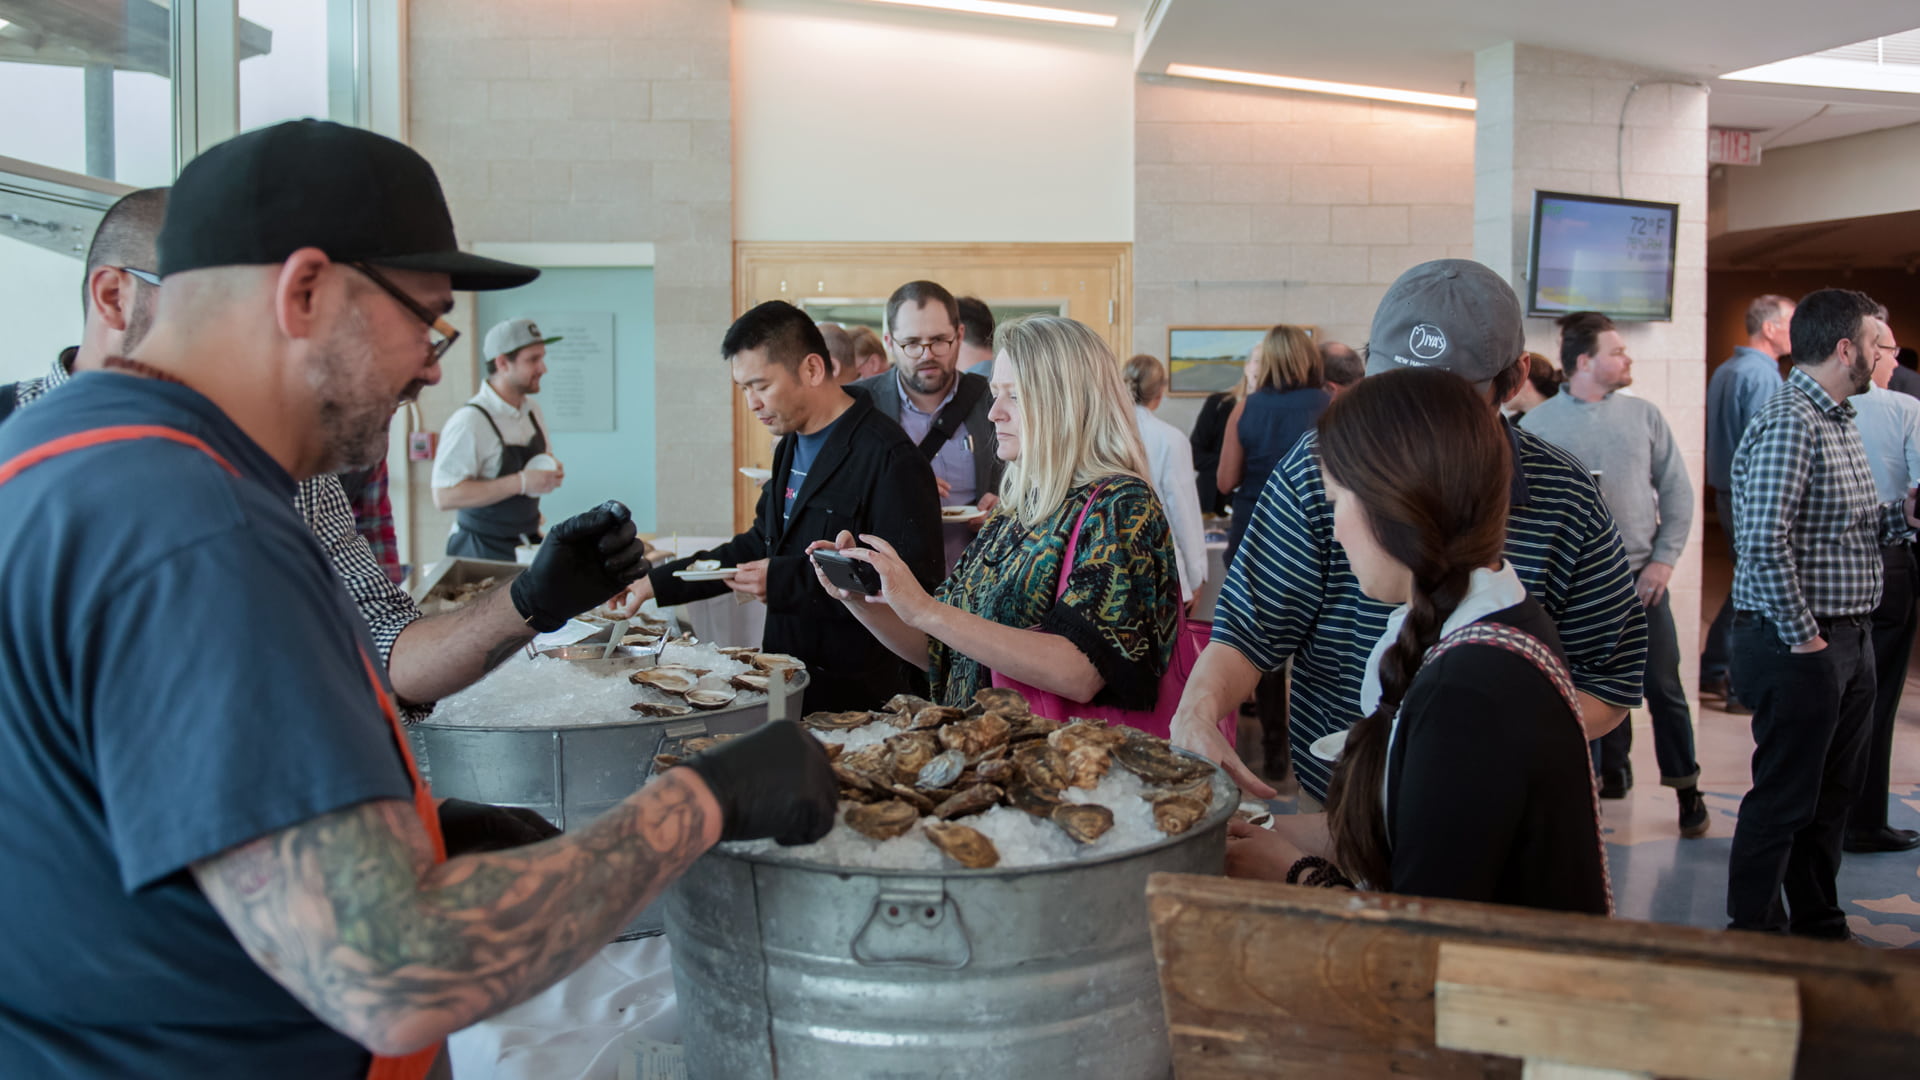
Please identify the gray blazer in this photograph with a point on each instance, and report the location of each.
(884, 391)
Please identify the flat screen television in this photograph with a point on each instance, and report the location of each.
(1593, 253)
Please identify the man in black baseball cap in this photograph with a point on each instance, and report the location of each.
(230, 865)
(1460, 316)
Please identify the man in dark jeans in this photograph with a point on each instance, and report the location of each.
(1735, 394)
(1809, 526)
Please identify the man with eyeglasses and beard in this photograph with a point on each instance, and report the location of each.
(942, 409)
(216, 832)
(426, 657)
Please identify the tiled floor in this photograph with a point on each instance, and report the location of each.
(1660, 877)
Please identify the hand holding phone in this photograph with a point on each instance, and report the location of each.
(847, 573)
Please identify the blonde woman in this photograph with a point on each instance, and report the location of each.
(1170, 462)
(1098, 630)
(869, 355)
(1289, 394)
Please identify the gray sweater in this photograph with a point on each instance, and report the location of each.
(1642, 475)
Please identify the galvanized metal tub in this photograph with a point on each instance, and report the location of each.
(571, 773)
(796, 970)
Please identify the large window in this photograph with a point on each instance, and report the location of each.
(85, 87)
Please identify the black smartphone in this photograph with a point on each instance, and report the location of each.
(849, 574)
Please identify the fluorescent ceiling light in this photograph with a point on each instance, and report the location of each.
(1014, 11)
(1839, 74)
(1316, 86)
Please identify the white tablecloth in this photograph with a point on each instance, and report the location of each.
(579, 1027)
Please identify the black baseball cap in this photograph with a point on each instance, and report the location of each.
(360, 197)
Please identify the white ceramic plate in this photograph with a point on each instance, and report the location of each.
(1328, 747)
(721, 574)
(758, 476)
(960, 514)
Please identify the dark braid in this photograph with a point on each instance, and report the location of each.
(1428, 463)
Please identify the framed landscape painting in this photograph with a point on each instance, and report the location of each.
(1205, 360)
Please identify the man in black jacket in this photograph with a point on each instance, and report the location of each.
(839, 465)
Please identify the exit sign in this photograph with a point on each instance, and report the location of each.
(1730, 146)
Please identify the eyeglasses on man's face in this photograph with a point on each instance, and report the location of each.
(436, 323)
(147, 276)
(915, 348)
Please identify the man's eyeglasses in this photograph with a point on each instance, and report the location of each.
(437, 323)
(914, 348)
(147, 276)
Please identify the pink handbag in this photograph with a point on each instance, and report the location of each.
(1189, 638)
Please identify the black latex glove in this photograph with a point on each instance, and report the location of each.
(586, 560)
(469, 827)
(773, 782)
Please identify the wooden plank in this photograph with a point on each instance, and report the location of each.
(1270, 980)
(1630, 1015)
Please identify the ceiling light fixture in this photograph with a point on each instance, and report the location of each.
(1317, 86)
(1838, 74)
(1014, 11)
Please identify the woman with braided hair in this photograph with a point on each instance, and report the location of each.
(1467, 777)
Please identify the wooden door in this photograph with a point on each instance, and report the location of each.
(1089, 282)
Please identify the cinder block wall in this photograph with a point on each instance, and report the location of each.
(600, 120)
(1263, 206)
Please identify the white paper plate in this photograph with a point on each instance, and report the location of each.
(954, 515)
(1328, 747)
(721, 574)
(758, 476)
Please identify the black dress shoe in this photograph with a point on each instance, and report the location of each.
(1714, 685)
(1882, 839)
(1615, 783)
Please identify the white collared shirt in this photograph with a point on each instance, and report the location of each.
(468, 449)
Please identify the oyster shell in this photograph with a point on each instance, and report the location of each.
(1023, 794)
(1085, 822)
(882, 820)
(672, 678)
(969, 801)
(975, 737)
(928, 716)
(742, 653)
(666, 761)
(1001, 699)
(1081, 733)
(833, 749)
(919, 800)
(1157, 762)
(1030, 728)
(750, 681)
(1175, 814)
(712, 693)
(1043, 766)
(963, 845)
(1085, 764)
(649, 708)
(770, 662)
(994, 770)
(911, 752)
(942, 769)
(836, 721)
(905, 704)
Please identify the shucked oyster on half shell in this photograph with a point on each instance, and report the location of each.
(750, 680)
(671, 678)
(968, 847)
(649, 708)
(712, 692)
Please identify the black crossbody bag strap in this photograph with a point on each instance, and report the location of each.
(951, 418)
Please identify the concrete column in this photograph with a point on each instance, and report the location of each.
(1561, 121)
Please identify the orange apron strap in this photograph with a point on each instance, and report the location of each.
(414, 1066)
(81, 440)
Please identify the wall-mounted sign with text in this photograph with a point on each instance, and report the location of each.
(576, 394)
(1731, 146)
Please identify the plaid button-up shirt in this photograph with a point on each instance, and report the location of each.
(1808, 524)
(322, 503)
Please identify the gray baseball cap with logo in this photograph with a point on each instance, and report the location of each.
(1453, 314)
(514, 334)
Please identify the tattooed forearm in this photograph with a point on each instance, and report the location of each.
(348, 912)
